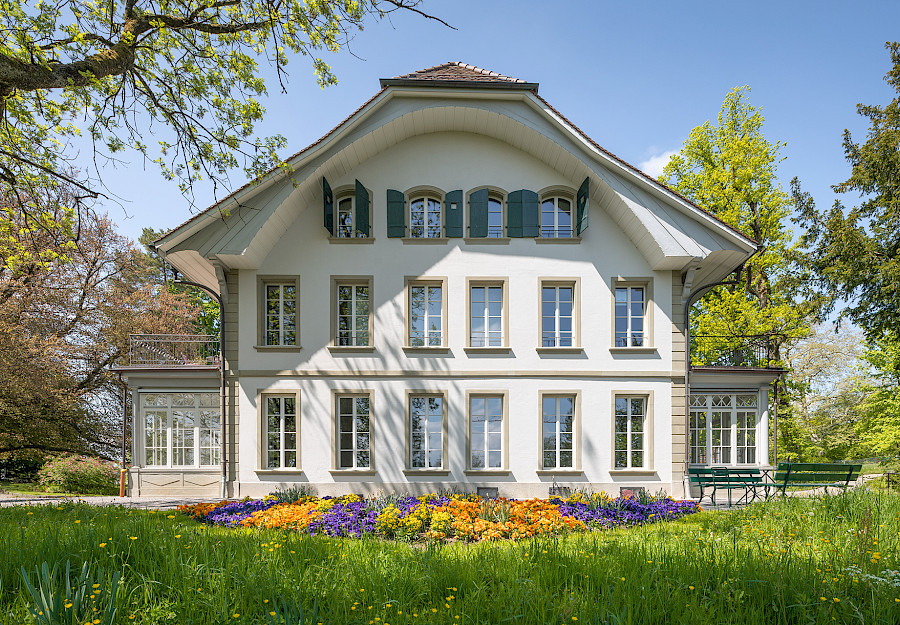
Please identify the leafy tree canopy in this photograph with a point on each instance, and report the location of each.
(855, 253)
(729, 168)
(186, 70)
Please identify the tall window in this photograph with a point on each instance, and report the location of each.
(281, 432)
(486, 431)
(353, 313)
(486, 321)
(630, 308)
(426, 415)
(629, 438)
(556, 218)
(556, 316)
(354, 432)
(723, 428)
(344, 226)
(425, 218)
(180, 429)
(281, 314)
(557, 431)
(495, 218)
(425, 315)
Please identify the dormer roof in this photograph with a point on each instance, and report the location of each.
(457, 74)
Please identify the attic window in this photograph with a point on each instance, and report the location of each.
(425, 218)
(344, 226)
(556, 218)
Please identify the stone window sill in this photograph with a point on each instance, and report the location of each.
(632, 472)
(351, 349)
(557, 239)
(362, 240)
(353, 471)
(488, 240)
(284, 471)
(422, 349)
(277, 348)
(488, 350)
(426, 472)
(488, 472)
(559, 350)
(434, 240)
(632, 350)
(552, 472)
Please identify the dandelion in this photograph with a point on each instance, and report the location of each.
(836, 600)
(690, 587)
(68, 605)
(78, 520)
(271, 614)
(236, 615)
(133, 537)
(102, 545)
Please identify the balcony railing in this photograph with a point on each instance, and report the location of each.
(754, 352)
(173, 350)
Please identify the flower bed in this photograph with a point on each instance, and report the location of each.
(440, 517)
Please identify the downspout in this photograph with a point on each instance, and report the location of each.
(123, 472)
(693, 295)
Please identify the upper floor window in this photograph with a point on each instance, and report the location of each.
(486, 315)
(630, 309)
(344, 227)
(557, 315)
(494, 218)
(556, 218)
(347, 212)
(425, 218)
(352, 311)
(281, 313)
(426, 314)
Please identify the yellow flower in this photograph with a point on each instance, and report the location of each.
(133, 537)
(836, 600)
(265, 601)
(68, 605)
(623, 579)
(271, 614)
(177, 535)
(691, 587)
(171, 516)
(102, 545)
(236, 615)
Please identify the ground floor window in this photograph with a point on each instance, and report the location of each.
(426, 423)
(354, 431)
(281, 432)
(723, 428)
(629, 436)
(486, 431)
(557, 425)
(180, 429)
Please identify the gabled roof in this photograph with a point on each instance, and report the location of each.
(457, 74)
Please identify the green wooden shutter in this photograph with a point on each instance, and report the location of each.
(478, 214)
(396, 214)
(531, 214)
(453, 214)
(514, 214)
(581, 207)
(328, 201)
(362, 209)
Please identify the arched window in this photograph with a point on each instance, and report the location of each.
(495, 217)
(425, 218)
(344, 226)
(556, 218)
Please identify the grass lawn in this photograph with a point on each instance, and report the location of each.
(820, 560)
(34, 489)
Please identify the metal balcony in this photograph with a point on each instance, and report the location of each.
(745, 352)
(173, 350)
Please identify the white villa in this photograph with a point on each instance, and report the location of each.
(454, 288)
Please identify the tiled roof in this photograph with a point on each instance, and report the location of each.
(458, 71)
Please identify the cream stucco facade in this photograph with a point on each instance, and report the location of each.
(428, 140)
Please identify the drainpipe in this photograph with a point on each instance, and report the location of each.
(222, 445)
(123, 472)
(699, 291)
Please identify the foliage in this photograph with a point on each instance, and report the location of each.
(811, 560)
(729, 168)
(80, 474)
(63, 326)
(59, 599)
(853, 252)
(21, 466)
(878, 427)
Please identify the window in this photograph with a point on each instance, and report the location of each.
(425, 218)
(280, 314)
(486, 431)
(180, 429)
(352, 312)
(630, 306)
(344, 225)
(426, 423)
(556, 218)
(557, 431)
(426, 313)
(486, 315)
(557, 315)
(723, 428)
(280, 431)
(629, 435)
(494, 218)
(354, 432)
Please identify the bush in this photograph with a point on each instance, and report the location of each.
(21, 466)
(81, 475)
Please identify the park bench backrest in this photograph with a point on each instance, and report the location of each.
(816, 473)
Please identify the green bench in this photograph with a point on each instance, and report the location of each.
(749, 480)
(809, 475)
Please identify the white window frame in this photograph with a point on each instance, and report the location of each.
(496, 232)
(557, 434)
(485, 316)
(357, 436)
(167, 431)
(283, 450)
(429, 431)
(345, 230)
(630, 317)
(482, 441)
(263, 282)
(556, 284)
(554, 230)
(426, 283)
(427, 231)
(351, 281)
(702, 405)
(630, 432)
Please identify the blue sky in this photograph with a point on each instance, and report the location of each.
(635, 76)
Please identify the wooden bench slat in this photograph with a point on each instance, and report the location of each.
(816, 466)
(812, 477)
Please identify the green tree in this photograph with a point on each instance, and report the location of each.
(855, 253)
(729, 168)
(189, 71)
(879, 413)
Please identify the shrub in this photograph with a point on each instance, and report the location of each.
(80, 474)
